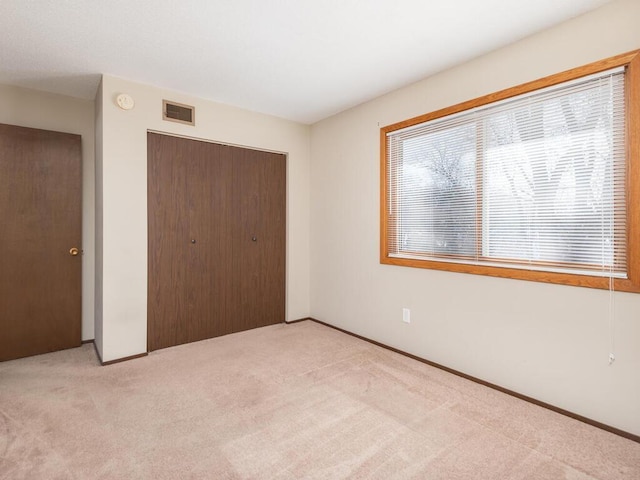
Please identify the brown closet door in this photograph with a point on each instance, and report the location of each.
(259, 228)
(41, 214)
(207, 276)
(168, 230)
(209, 288)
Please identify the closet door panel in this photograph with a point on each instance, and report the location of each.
(244, 275)
(168, 223)
(209, 241)
(271, 245)
(259, 180)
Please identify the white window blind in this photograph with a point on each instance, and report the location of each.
(534, 182)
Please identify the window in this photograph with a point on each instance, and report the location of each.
(538, 182)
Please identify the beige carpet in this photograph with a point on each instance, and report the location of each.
(283, 402)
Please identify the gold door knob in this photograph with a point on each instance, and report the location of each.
(74, 251)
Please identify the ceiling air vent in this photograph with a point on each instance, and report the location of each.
(177, 112)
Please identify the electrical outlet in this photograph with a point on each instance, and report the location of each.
(406, 315)
(612, 358)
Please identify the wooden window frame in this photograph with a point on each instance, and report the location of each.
(629, 60)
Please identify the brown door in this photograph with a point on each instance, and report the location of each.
(207, 276)
(40, 211)
(168, 225)
(258, 238)
(210, 194)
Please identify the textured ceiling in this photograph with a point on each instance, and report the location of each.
(302, 60)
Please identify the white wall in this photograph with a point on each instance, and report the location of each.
(123, 206)
(546, 341)
(46, 111)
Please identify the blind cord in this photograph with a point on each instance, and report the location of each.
(612, 314)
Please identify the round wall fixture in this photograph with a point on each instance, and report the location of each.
(125, 102)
